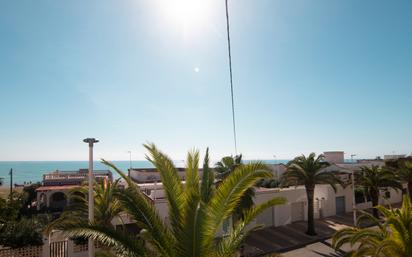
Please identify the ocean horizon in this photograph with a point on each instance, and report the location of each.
(32, 171)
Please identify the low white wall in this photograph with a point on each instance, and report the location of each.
(280, 214)
(324, 203)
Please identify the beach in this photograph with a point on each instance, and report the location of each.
(5, 190)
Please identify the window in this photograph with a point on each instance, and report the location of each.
(359, 196)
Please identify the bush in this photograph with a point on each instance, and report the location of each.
(8, 212)
(20, 234)
(268, 183)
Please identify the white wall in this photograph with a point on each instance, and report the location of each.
(328, 195)
(282, 213)
(324, 202)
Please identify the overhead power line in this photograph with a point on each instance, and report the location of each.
(231, 75)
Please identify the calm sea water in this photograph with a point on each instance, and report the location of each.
(26, 171)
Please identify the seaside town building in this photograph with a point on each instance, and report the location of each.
(53, 193)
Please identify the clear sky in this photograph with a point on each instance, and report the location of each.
(308, 76)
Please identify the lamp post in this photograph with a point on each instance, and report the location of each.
(277, 167)
(130, 159)
(91, 142)
(353, 189)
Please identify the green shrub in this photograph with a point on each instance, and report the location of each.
(24, 232)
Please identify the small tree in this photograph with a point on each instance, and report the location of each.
(403, 169)
(405, 174)
(22, 233)
(106, 208)
(375, 178)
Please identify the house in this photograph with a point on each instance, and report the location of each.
(151, 175)
(53, 193)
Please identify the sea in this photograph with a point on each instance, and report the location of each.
(32, 171)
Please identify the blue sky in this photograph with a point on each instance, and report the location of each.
(308, 76)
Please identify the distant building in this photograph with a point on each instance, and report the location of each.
(150, 175)
(334, 156)
(277, 169)
(56, 185)
(393, 156)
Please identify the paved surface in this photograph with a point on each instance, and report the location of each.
(319, 249)
(291, 239)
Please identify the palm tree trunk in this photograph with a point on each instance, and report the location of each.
(375, 202)
(410, 190)
(310, 191)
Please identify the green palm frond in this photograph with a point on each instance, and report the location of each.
(373, 179)
(230, 191)
(144, 213)
(227, 165)
(106, 207)
(123, 244)
(239, 233)
(171, 183)
(392, 237)
(207, 184)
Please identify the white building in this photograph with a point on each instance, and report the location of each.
(326, 201)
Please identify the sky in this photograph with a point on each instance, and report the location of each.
(309, 76)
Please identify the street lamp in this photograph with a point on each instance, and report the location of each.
(91, 142)
(130, 159)
(277, 167)
(353, 191)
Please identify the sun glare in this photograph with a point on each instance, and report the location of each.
(186, 13)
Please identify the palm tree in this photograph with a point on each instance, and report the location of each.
(223, 169)
(373, 179)
(309, 171)
(393, 237)
(405, 175)
(227, 165)
(196, 211)
(106, 206)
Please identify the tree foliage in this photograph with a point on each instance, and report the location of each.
(224, 168)
(23, 232)
(373, 179)
(403, 169)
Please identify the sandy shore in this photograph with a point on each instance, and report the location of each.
(5, 190)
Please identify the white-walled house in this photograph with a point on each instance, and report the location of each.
(327, 202)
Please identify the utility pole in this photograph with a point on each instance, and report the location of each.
(353, 191)
(277, 167)
(11, 184)
(91, 142)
